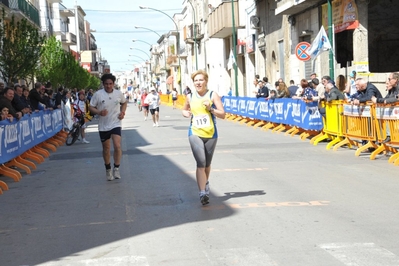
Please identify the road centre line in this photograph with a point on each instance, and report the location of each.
(267, 205)
(233, 170)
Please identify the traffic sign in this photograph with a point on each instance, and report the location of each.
(300, 51)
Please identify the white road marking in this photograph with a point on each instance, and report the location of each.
(114, 261)
(361, 254)
(239, 256)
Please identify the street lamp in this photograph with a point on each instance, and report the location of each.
(234, 47)
(195, 35)
(178, 39)
(135, 40)
(133, 48)
(138, 27)
(145, 60)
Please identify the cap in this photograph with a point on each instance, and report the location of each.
(81, 92)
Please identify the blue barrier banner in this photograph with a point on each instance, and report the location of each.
(293, 112)
(21, 135)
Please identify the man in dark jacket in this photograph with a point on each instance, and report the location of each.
(263, 92)
(58, 97)
(392, 86)
(17, 103)
(366, 91)
(35, 97)
(332, 93)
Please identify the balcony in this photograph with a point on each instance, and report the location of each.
(69, 38)
(220, 23)
(23, 9)
(189, 36)
(292, 7)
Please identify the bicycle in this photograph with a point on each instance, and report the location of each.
(74, 133)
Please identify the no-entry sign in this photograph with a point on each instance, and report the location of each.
(300, 51)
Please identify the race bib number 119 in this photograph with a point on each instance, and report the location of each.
(201, 121)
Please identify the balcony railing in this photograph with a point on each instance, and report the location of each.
(26, 8)
(189, 31)
(220, 23)
(289, 7)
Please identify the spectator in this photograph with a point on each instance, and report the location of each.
(366, 91)
(351, 85)
(341, 83)
(185, 92)
(301, 90)
(35, 97)
(79, 107)
(67, 97)
(5, 114)
(313, 76)
(325, 80)
(230, 92)
(6, 101)
(392, 85)
(333, 93)
(256, 85)
(25, 98)
(17, 103)
(267, 84)
(319, 88)
(310, 93)
(292, 88)
(263, 92)
(282, 91)
(58, 97)
(90, 94)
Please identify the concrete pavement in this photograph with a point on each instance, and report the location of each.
(275, 200)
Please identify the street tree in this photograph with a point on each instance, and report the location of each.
(20, 48)
(52, 67)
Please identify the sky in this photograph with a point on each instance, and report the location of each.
(115, 21)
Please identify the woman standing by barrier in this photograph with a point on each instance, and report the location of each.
(203, 106)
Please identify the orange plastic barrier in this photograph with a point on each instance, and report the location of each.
(27, 160)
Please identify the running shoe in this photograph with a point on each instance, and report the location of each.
(109, 175)
(204, 199)
(117, 174)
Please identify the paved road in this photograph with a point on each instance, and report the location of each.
(275, 201)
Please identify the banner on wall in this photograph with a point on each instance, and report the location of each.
(285, 111)
(345, 15)
(21, 135)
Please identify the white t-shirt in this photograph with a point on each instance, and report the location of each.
(81, 105)
(112, 102)
(152, 100)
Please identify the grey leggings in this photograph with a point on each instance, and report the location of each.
(203, 150)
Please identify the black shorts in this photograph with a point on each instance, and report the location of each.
(174, 98)
(146, 107)
(106, 135)
(154, 110)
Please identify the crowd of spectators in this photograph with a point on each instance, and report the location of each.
(17, 100)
